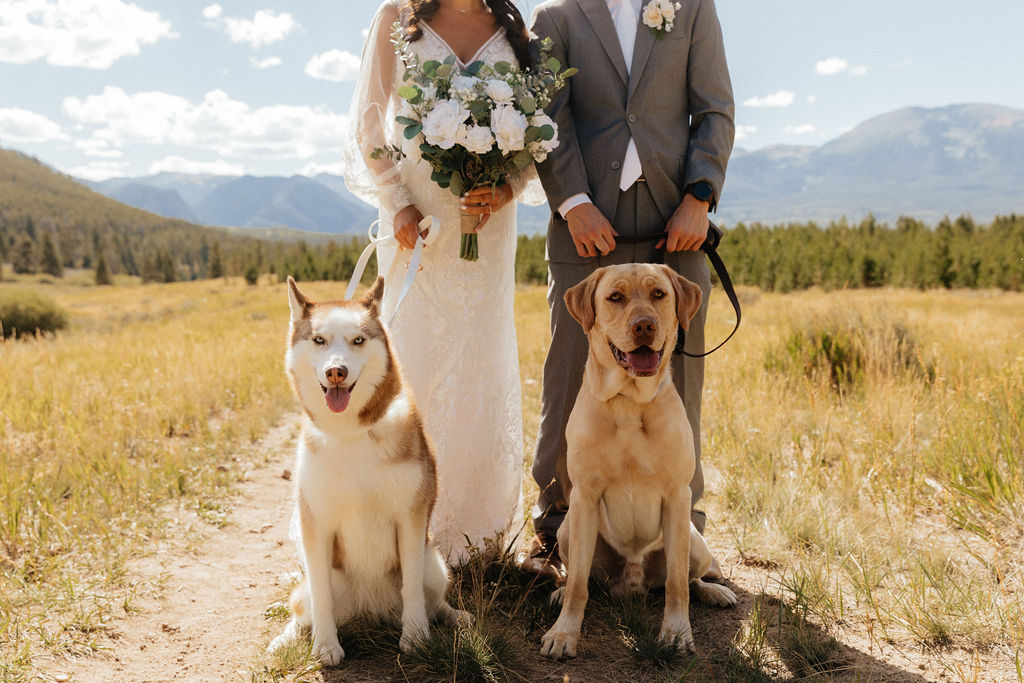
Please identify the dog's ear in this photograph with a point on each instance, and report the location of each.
(688, 296)
(579, 300)
(298, 303)
(371, 300)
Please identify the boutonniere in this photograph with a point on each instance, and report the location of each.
(660, 16)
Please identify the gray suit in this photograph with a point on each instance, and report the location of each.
(676, 103)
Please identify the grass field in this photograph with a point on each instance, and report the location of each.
(864, 452)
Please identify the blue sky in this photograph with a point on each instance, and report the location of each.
(104, 88)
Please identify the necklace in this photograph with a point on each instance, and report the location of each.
(459, 9)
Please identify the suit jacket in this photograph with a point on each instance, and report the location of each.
(676, 103)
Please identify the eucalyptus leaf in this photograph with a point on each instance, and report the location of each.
(571, 71)
(532, 134)
(413, 131)
(547, 132)
(554, 64)
(406, 121)
(528, 105)
(407, 92)
(430, 67)
(474, 68)
(445, 70)
(502, 68)
(456, 184)
(522, 159)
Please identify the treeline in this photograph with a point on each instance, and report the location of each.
(954, 254)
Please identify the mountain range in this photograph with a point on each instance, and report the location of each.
(926, 163)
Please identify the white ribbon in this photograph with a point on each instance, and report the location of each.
(430, 224)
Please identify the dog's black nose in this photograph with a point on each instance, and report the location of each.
(645, 327)
(337, 374)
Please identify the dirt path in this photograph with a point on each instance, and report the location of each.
(209, 620)
(208, 623)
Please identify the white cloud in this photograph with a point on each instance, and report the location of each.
(802, 129)
(265, 27)
(21, 125)
(811, 99)
(99, 149)
(858, 70)
(84, 33)
(315, 168)
(782, 98)
(99, 170)
(745, 131)
(831, 66)
(218, 123)
(176, 164)
(266, 63)
(333, 65)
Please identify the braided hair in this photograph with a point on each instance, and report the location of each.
(505, 12)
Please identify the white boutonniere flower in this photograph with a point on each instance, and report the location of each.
(660, 16)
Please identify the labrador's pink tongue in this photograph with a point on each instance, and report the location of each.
(643, 360)
(337, 399)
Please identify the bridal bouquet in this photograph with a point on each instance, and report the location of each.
(476, 125)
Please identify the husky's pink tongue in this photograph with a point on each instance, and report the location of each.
(337, 399)
(643, 361)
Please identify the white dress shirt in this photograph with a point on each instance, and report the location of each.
(625, 16)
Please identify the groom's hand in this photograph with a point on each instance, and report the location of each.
(688, 226)
(591, 232)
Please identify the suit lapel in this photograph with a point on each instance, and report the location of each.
(641, 50)
(596, 12)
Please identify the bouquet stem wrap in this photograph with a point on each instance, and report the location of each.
(469, 249)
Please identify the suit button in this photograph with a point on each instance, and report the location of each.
(632, 118)
(615, 165)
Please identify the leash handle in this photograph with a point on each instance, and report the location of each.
(710, 249)
(430, 224)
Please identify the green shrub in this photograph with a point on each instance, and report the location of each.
(844, 347)
(27, 313)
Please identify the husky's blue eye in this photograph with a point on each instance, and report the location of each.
(319, 341)
(358, 341)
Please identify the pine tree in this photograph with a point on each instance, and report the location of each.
(50, 260)
(216, 263)
(102, 272)
(24, 260)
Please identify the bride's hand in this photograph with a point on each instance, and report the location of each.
(407, 225)
(485, 200)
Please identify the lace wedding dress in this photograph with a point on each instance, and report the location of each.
(454, 334)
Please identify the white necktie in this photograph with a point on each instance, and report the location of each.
(626, 15)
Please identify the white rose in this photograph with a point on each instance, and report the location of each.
(477, 139)
(441, 124)
(540, 119)
(509, 126)
(499, 91)
(652, 15)
(668, 11)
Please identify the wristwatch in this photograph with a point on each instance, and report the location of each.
(703, 191)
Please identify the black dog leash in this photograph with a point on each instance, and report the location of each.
(710, 249)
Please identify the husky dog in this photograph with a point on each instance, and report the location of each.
(366, 479)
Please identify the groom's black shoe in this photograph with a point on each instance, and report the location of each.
(541, 557)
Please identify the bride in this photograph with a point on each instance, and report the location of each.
(454, 334)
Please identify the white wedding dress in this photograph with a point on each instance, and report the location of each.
(454, 334)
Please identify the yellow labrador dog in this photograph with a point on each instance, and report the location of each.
(630, 455)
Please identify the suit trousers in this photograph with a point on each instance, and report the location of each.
(636, 214)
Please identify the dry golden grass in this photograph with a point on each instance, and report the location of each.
(888, 508)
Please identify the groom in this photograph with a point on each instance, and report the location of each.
(645, 130)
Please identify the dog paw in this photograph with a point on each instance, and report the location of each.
(291, 631)
(559, 644)
(461, 617)
(678, 636)
(557, 596)
(412, 635)
(714, 594)
(329, 651)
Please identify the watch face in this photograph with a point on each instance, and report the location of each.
(702, 191)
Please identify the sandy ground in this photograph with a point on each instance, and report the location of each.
(208, 623)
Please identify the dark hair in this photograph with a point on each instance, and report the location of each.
(505, 12)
